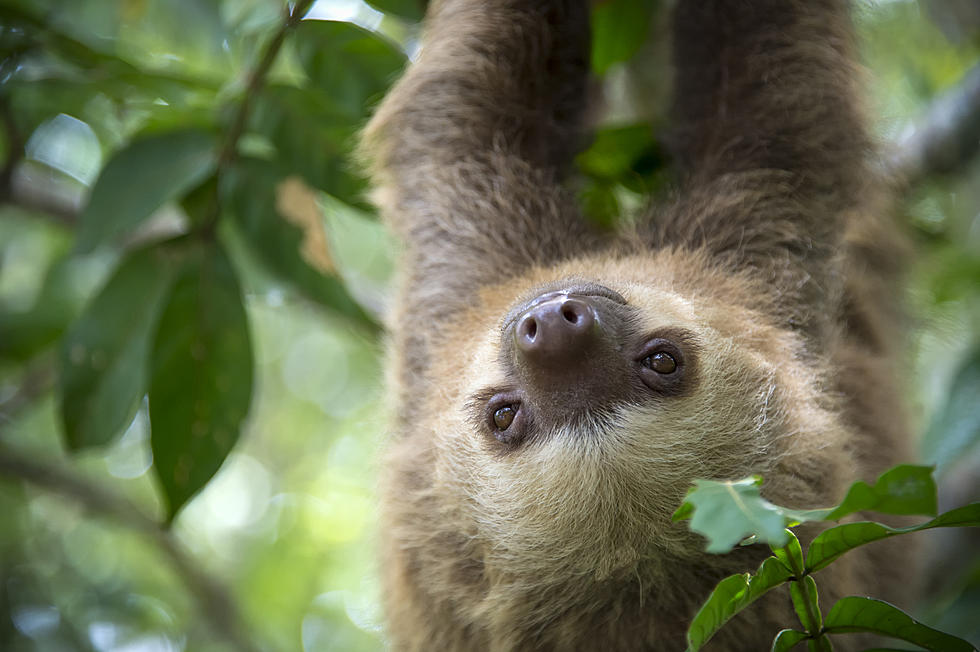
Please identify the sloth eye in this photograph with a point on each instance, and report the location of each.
(503, 417)
(661, 362)
(664, 365)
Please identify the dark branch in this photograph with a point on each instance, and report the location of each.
(945, 140)
(213, 598)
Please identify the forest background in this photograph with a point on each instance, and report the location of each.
(180, 218)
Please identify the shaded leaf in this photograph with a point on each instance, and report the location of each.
(352, 65)
(787, 639)
(804, 596)
(250, 189)
(905, 489)
(142, 177)
(104, 357)
(411, 9)
(201, 379)
(727, 512)
(619, 28)
(955, 429)
(313, 138)
(831, 544)
(733, 594)
(856, 614)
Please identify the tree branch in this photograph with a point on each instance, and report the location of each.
(945, 140)
(212, 597)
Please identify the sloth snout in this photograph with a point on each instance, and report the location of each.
(556, 332)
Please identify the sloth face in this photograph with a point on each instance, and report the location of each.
(578, 350)
(584, 410)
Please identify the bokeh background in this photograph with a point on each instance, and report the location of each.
(222, 130)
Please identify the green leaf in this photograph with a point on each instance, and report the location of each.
(25, 333)
(733, 594)
(727, 512)
(352, 65)
(253, 189)
(787, 639)
(140, 178)
(831, 544)
(104, 357)
(201, 380)
(313, 138)
(619, 28)
(804, 596)
(905, 489)
(955, 429)
(615, 149)
(856, 614)
(411, 9)
(791, 554)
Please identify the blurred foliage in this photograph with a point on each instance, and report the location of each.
(190, 284)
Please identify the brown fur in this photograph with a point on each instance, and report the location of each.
(772, 253)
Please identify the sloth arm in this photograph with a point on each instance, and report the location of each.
(771, 145)
(469, 149)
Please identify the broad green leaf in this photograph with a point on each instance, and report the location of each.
(804, 596)
(619, 28)
(140, 178)
(201, 378)
(411, 9)
(905, 489)
(313, 138)
(727, 512)
(831, 544)
(856, 614)
(787, 639)
(733, 594)
(350, 64)
(254, 191)
(791, 554)
(104, 356)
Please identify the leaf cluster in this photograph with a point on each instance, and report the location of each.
(730, 513)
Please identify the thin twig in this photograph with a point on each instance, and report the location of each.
(945, 140)
(213, 599)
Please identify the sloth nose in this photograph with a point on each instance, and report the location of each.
(556, 331)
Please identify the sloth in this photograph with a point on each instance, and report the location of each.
(556, 389)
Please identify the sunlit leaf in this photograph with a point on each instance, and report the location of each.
(104, 357)
(142, 177)
(727, 512)
(619, 28)
(733, 594)
(831, 544)
(787, 639)
(856, 614)
(791, 554)
(201, 379)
